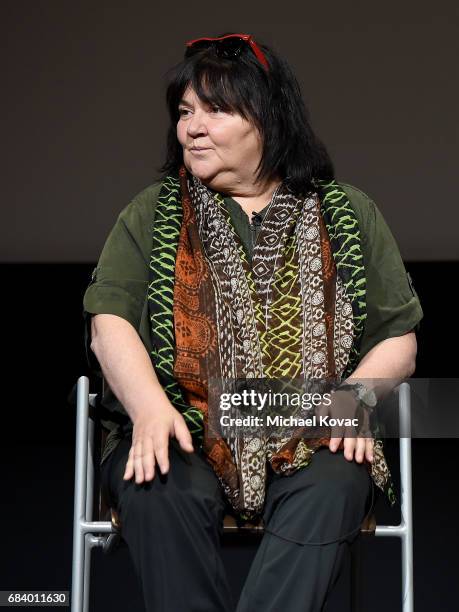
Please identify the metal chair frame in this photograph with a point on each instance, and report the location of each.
(88, 533)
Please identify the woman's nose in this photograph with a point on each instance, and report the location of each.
(196, 125)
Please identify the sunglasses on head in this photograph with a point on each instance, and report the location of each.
(228, 47)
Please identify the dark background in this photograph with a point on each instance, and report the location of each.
(83, 127)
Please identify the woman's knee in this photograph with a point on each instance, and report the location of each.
(190, 486)
(340, 477)
(324, 501)
(339, 495)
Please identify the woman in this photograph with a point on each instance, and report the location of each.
(246, 260)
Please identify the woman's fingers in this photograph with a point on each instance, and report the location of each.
(142, 456)
(138, 461)
(345, 433)
(150, 445)
(141, 460)
(148, 458)
(161, 441)
(129, 471)
(183, 435)
(361, 444)
(369, 449)
(334, 443)
(349, 448)
(358, 448)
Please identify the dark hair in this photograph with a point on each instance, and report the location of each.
(271, 100)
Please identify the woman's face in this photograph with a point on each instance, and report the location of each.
(232, 145)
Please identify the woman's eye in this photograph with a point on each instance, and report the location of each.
(214, 109)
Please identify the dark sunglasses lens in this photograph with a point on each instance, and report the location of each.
(230, 47)
(197, 46)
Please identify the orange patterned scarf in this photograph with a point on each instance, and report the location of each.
(286, 316)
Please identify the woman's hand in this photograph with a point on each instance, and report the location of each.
(150, 442)
(132, 378)
(388, 363)
(357, 442)
(362, 447)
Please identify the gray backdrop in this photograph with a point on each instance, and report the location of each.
(84, 118)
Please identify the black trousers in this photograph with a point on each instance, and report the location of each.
(172, 526)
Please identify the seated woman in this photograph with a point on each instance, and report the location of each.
(246, 259)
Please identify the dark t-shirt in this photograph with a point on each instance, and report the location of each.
(119, 282)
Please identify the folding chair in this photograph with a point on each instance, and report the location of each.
(88, 533)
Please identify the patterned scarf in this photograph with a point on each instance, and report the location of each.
(297, 312)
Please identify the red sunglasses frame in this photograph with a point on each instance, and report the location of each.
(245, 37)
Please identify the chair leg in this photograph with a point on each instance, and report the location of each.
(406, 498)
(407, 573)
(356, 572)
(87, 571)
(79, 539)
(79, 546)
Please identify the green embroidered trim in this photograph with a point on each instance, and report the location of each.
(166, 230)
(344, 233)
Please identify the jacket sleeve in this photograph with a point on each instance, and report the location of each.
(119, 282)
(393, 306)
